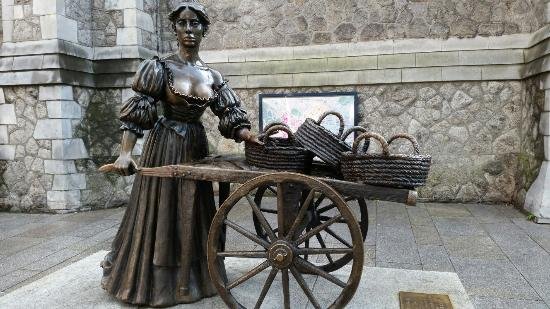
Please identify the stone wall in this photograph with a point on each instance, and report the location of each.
(473, 131)
(482, 135)
(260, 23)
(474, 103)
(24, 183)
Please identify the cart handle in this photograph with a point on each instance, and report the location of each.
(110, 168)
(275, 129)
(340, 118)
(376, 136)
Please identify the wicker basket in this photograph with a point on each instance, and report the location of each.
(278, 153)
(319, 140)
(385, 169)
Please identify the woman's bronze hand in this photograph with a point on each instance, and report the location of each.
(244, 134)
(125, 165)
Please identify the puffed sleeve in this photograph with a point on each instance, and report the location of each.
(228, 109)
(140, 112)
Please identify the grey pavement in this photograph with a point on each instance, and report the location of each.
(502, 259)
(76, 286)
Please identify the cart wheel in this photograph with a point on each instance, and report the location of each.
(318, 213)
(283, 250)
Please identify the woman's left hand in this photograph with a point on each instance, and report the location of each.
(244, 134)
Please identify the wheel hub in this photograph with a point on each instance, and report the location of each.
(281, 254)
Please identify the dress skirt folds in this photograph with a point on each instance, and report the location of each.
(158, 257)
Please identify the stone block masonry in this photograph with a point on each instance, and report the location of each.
(464, 78)
(39, 149)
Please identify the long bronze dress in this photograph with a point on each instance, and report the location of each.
(158, 256)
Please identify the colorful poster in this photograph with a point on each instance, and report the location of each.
(294, 109)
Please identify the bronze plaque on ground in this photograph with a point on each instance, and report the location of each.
(410, 300)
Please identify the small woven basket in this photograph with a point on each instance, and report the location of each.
(278, 153)
(385, 169)
(321, 141)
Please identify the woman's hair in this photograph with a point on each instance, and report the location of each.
(196, 7)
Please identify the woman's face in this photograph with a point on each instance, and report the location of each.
(189, 29)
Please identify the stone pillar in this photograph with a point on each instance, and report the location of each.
(138, 25)
(37, 20)
(7, 116)
(63, 114)
(537, 200)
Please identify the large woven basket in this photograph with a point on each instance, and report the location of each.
(278, 153)
(385, 169)
(321, 141)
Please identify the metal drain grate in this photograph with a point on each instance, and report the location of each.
(410, 300)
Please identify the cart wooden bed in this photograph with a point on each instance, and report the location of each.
(299, 219)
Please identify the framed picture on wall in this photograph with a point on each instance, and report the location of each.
(293, 109)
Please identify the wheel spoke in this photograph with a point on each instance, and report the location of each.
(307, 246)
(245, 254)
(319, 200)
(300, 279)
(266, 287)
(313, 251)
(318, 271)
(286, 291)
(322, 243)
(326, 208)
(340, 239)
(272, 190)
(280, 208)
(256, 270)
(269, 211)
(317, 229)
(331, 206)
(326, 218)
(300, 215)
(246, 233)
(267, 228)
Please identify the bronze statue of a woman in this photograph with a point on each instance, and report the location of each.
(158, 257)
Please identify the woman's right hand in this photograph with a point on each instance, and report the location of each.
(125, 165)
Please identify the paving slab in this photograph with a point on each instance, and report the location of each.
(77, 286)
(458, 227)
(487, 213)
(396, 245)
(511, 212)
(502, 303)
(512, 239)
(435, 258)
(51, 229)
(426, 235)
(419, 216)
(476, 247)
(534, 268)
(13, 245)
(493, 278)
(447, 210)
(52, 260)
(15, 277)
(538, 232)
(399, 265)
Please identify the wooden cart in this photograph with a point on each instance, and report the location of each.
(306, 206)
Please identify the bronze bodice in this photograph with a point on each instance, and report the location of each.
(187, 82)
